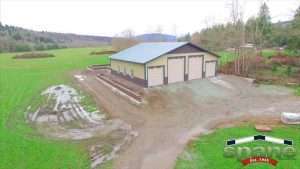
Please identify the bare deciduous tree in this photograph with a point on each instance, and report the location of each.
(126, 40)
(128, 33)
(196, 38)
(238, 35)
(159, 29)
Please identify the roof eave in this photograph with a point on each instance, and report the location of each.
(142, 63)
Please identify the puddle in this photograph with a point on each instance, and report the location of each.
(61, 116)
(80, 77)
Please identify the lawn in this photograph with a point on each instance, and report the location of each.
(21, 82)
(207, 151)
(226, 57)
(268, 53)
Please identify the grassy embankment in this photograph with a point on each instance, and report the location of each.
(21, 82)
(283, 71)
(207, 151)
(268, 53)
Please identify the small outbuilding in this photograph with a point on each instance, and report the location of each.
(153, 64)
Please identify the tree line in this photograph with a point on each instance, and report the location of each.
(15, 39)
(258, 30)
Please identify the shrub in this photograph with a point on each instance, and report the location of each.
(292, 53)
(298, 91)
(33, 55)
(289, 70)
(284, 60)
(274, 68)
(102, 52)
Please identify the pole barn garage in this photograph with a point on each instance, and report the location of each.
(154, 64)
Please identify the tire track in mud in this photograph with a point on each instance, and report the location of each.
(62, 117)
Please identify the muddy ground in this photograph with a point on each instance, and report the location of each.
(62, 116)
(175, 114)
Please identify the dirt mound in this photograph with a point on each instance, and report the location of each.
(102, 52)
(62, 117)
(33, 55)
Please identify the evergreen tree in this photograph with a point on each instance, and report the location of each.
(294, 32)
(296, 21)
(297, 14)
(264, 23)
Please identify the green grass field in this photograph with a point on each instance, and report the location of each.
(21, 82)
(268, 53)
(207, 151)
(226, 57)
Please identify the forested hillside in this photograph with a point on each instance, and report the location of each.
(16, 39)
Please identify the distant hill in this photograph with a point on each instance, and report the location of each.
(16, 39)
(156, 37)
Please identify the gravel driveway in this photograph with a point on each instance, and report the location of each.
(176, 113)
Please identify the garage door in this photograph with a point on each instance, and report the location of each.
(175, 69)
(210, 68)
(155, 76)
(195, 67)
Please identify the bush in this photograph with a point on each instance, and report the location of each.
(292, 53)
(284, 60)
(33, 55)
(274, 68)
(289, 70)
(298, 91)
(102, 52)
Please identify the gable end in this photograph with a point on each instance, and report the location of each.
(188, 48)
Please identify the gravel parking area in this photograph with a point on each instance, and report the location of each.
(176, 113)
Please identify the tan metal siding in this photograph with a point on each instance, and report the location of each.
(138, 69)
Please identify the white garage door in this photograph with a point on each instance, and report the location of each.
(155, 76)
(175, 69)
(210, 69)
(195, 67)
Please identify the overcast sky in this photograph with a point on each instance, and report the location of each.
(109, 17)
